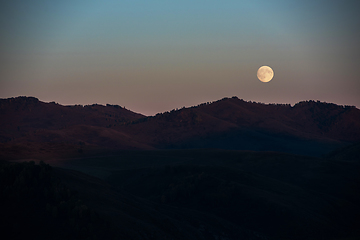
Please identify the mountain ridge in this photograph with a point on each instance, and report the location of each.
(308, 127)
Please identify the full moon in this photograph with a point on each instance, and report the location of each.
(265, 74)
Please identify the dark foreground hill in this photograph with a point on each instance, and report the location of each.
(194, 194)
(35, 204)
(30, 128)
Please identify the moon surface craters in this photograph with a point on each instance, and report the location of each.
(265, 74)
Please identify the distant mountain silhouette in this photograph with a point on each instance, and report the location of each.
(309, 127)
(31, 128)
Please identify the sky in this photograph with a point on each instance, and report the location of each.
(155, 56)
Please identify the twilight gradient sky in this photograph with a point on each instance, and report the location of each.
(154, 56)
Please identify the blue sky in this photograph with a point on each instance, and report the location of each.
(154, 56)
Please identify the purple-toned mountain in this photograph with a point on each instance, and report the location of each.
(310, 127)
(31, 127)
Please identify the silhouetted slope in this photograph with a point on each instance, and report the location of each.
(138, 218)
(349, 153)
(310, 128)
(31, 128)
(305, 119)
(36, 129)
(35, 204)
(275, 195)
(24, 114)
(40, 202)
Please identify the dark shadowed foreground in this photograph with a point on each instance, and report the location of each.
(186, 194)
